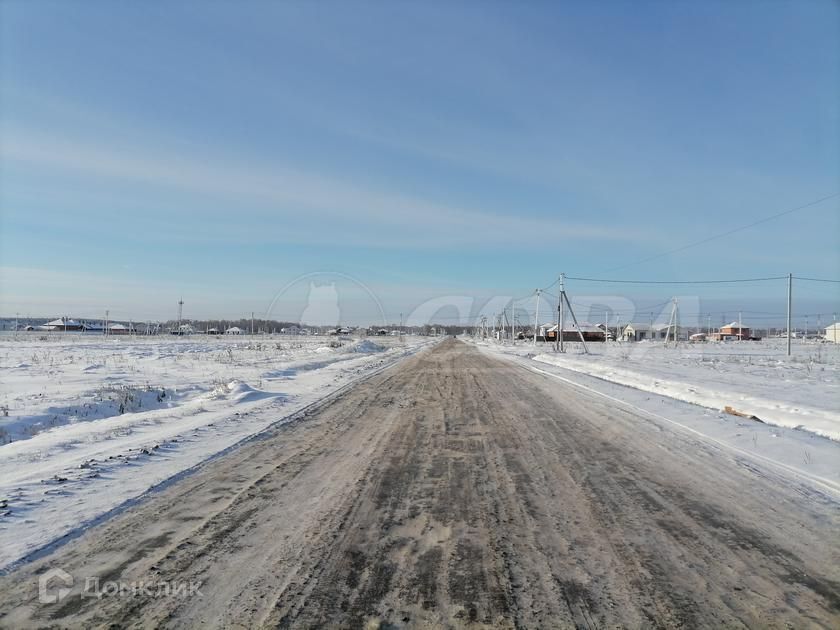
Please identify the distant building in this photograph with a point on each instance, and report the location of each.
(832, 333)
(637, 332)
(235, 330)
(591, 332)
(734, 332)
(657, 332)
(63, 324)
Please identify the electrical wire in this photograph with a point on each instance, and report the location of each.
(816, 279)
(727, 281)
(727, 233)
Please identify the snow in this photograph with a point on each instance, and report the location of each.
(798, 452)
(88, 423)
(754, 378)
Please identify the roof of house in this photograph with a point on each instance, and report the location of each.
(63, 322)
(584, 326)
(646, 327)
(834, 326)
(735, 325)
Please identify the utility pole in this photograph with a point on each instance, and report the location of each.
(561, 317)
(789, 308)
(672, 322)
(710, 325)
(564, 301)
(252, 322)
(740, 328)
(606, 324)
(536, 317)
(180, 314)
(107, 313)
(512, 323)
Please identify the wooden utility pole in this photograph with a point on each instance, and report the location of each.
(537, 317)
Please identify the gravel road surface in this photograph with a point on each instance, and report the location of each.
(459, 490)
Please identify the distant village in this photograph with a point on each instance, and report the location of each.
(547, 333)
(634, 332)
(243, 326)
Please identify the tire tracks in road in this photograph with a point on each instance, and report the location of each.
(457, 490)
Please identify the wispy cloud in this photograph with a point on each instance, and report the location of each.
(276, 191)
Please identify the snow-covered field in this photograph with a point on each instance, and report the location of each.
(87, 422)
(755, 378)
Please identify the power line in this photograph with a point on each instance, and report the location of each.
(727, 281)
(816, 279)
(727, 233)
(530, 295)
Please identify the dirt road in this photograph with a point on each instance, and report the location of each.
(458, 490)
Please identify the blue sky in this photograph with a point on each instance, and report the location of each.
(218, 151)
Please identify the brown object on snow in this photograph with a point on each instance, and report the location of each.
(741, 414)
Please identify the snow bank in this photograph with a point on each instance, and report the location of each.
(753, 378)
(367, 346)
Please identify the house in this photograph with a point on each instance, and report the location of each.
(118, 329)
(734, 332)
(697, 337)
(213, 331)
(637, 332)
(607, 331)
(63, 324)
(183, 329)
(832, 333)
(235, 330)
(571, 332)
(641, 332)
